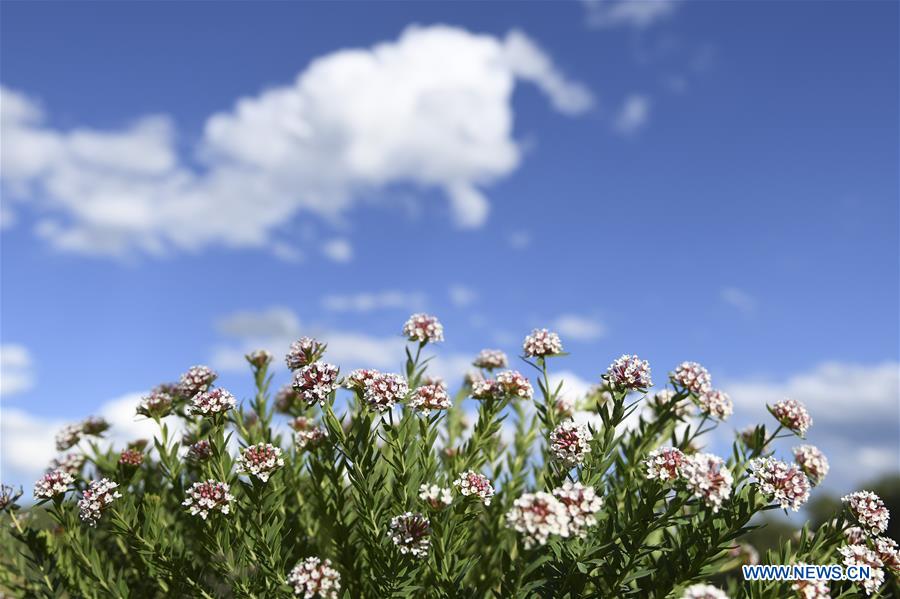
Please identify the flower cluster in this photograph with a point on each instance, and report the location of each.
(703, 591)
(315, 382)
(811, 589)
(53, 483)
(436, 497)
(869, 511)
(155, 405)
(812, 462)
(8, 497)
(486, 389)
(131, 458)
(259, 358)
(886, 548)
(210, 496)
(385, 390)
(200, 451)
(430, 397)
(707, 478)
(196, 380)
(537, 516)
(315, 578)
(410, 532)
(582, 504)
(71, 463)
(310, 438)
(661, 401)
(304, 352)
(94, 425)
(793, 415)
(490, 359)
(715, 403)
(515, 385)
(68, 436)
(423, 328)
(260, 460)
(286, 399)
(664, 464)
(96, 498)
(214, 401)
(471, 483)
(861, 555)
(784, 484)
(542, 343)
(692, 377)
(570, 442)
(360, 378)
(629, 372)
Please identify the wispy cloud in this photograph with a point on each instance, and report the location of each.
(579, 327)
(339, 250)
(633, 115)
(432, 108)
(739, 299)
(462, 295)
(638, 14)
(371, 301)
(16, 369)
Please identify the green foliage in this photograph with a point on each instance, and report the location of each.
(335, 500)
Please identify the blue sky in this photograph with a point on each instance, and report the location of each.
(705, 181)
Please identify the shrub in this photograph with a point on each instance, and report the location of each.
(370, 485)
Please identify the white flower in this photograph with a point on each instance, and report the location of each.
(715, 403)
(315, 578)
(664, 464)
(582, 504)
(860, 555)
(385, 390)
(210, 496)
(68, 436)
(787, 485)
(541, 343)
(570, 442)
(471, 483)
(196, 380)
(537, 516)
(703, 591)
(315, 382)
(629, 372)
(707, 478)
(303, 352)
(490, 359)
(410, 532)
(792, 415)
(428, 398)
(55, 482)
(869, 511)
(423, 328)
(692, 377)
(96, 498)
(515, 385)
(436, 497)
(260, 460)
(214, 401)
(812, 462)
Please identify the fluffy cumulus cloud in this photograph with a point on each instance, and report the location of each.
(16, 369)
(27, 442)
(638, 14)
(855, 411)
(431, 109)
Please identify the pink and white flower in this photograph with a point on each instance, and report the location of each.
(385, 390)
(537, 517)
(703, 591)
(692, 377)
(315, 382)
(304, 352)
(542, 343)
(861, 555)
(515, 385)
(436, 497)
(196, 380)
(629, 372)
(707, 478)
(410, 532)
(423, 328)
(473, 484)
(53, 483)
(570, 442)
(812, 462)
(314, 577)
(214, 401)
(260, 460)
(785, 484)
(428, 398)
(96, 499)
(869, 510)
(582, 504)
(793, 415)
(716, 404)
(490, 359)
(209, 496)
(664, 464)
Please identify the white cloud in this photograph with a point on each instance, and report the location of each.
(27, 443)
(338, 250)
(462, 296)
(633, 114)
(368, 302)
(519, 240)
(431, 109)
(739, 299)
(16, 369)
(855, 410)
(639, 14)
(578, 327)
(275, 328)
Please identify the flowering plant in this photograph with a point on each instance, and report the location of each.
(370, 485)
